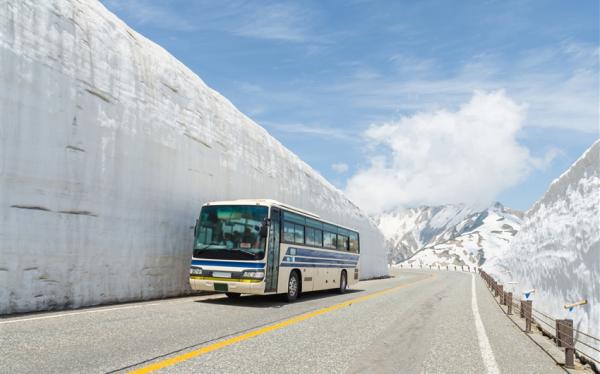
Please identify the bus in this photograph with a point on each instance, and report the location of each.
(264, 247)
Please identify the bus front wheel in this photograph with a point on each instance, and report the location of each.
(343, 282)
(293, 287)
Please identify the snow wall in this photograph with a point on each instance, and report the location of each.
(557, 250)
(108, 148)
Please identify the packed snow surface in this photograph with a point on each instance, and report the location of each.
(108, 148)
(557, 250)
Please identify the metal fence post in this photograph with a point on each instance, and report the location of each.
(522, 310)
(509, 302)
(528, 307)
(558, 331)
(501, 293)
(566, 338)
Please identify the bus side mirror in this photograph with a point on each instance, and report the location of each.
(264, 228)
(196, 228)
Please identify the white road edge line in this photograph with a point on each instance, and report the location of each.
(484, 344)
(144, 304)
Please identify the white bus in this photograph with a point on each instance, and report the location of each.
(265, 247)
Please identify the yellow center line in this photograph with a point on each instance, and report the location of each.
(276, 326)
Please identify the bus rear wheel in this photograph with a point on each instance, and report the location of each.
(233, 295)
(343, 283)
(293, 287)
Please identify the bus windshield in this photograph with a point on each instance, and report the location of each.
(230, 232)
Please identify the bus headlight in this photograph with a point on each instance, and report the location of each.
(195, 270)
(253, 274)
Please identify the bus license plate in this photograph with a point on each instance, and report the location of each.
(220, 274)
(221, 287)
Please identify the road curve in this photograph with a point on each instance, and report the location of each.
(416, 322)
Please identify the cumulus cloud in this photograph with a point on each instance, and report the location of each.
(340, 167)
(464, 156)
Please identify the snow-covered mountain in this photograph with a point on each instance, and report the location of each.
(407, 230)
(448, 234)
(557, 251)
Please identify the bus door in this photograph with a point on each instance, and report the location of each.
(272, 275)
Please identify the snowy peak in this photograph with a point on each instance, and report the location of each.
(481, 236)
(448, 234)
(409, 229)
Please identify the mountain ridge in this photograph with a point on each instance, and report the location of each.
(451, 234)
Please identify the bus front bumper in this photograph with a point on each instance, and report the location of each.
(201, 283)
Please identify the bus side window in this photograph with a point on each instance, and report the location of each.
(288, 232)
(318, 238)
(342, 243)
(329, 240)
(353, 242)
(299, 234)
(314, 237)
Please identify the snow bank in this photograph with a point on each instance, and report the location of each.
(557, 250)
(108, 148)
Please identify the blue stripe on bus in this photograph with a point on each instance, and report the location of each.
(302, 265)
(325, 253)
(289, 258)
(248, 265)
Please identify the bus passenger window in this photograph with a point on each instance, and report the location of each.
(314, 237)
(342, 243)
(329, 240)
(288, 232)
(299, 234)
(353, 242)
(318, 238)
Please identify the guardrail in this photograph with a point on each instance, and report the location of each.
(466, 268)
(559, 330)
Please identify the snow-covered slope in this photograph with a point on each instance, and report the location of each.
(108, 148)
(409, 229)
(557, 251)
(448, 234)
(480, 237)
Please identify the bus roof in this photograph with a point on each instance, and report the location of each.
(271, 202)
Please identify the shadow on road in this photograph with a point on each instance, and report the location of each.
(272, 301)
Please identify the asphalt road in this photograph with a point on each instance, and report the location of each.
(416, 322)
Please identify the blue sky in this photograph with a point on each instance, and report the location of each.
(319, 75)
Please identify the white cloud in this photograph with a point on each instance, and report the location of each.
(311, 130)
(275, 21)
(559, 84)
(261, 20)
(340, 167)
(466, 156)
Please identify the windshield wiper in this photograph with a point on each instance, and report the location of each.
(203, 248)
(246, 252)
